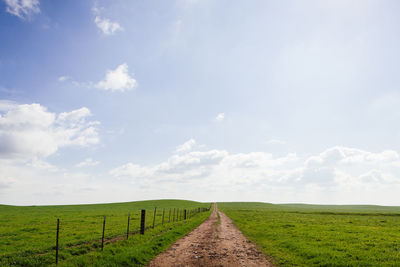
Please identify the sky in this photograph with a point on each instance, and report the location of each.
(272, 101)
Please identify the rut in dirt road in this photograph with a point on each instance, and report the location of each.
(216, 242)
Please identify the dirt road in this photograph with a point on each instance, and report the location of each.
(216, 242)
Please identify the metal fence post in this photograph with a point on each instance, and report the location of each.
(154, 218)
(142, 222)
(127, 229)
(58, 231)
(102, 237)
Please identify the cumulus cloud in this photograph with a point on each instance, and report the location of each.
(107, 26)
(117, 80)
(191, 165)
(87, 162)
(336, 169)
(30, 130)
(336, 175)
(188, 145)
(220, 117)
(22, 8)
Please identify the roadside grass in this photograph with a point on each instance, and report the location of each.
(316, 235)
(27, 234)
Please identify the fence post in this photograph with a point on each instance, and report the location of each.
(173, 216)
(58, 231)
(102, 237)
(127, 229)
(163, 212)
(184, 216)
(169, 216)
(154, 218)
(142, 222)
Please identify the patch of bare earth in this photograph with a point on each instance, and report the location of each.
(214, 243)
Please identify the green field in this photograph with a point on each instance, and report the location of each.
(27, 234)
(318, 235)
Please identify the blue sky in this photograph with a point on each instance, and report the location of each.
(276, 101)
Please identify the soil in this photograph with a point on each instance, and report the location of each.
(216, 242)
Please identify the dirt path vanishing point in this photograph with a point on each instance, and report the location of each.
(212, 244)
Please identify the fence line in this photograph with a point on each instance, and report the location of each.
(177, 216)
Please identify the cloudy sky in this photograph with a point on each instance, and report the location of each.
(275, 101)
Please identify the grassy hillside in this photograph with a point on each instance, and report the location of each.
(27, 234)
(320, 235)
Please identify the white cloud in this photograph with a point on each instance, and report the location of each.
(107, 26)
(22, 8)
(338, 171)
(187, 146)
(64, 78)
(87, 162)
(30, 130)
(220, 117)
(337, 175)
(73, 82)
(117, 80)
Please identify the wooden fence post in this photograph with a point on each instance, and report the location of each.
(58, 231)
(127, 229)
(173, 216)
(163, 212)
(102, 237)
(154, 218)
(169, 216)
(142, 222)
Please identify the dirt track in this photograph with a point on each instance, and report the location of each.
(212, 244)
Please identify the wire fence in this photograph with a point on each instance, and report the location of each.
(112, 228)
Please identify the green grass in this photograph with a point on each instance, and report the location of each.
(27, 234)
(317, 235)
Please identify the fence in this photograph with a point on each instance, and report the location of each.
(146, 216)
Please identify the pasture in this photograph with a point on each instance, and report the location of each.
(318, 235)
(28, 234)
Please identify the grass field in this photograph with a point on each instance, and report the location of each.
(27, 234)
(316, 235)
